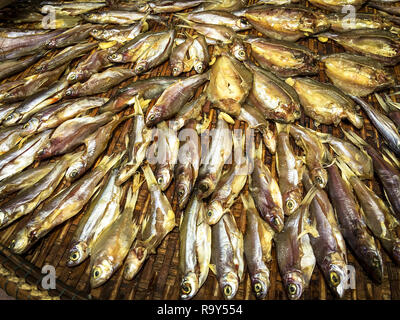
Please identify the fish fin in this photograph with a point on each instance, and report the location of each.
(309, 196)
(390, 155)
(354, 138)
(391, 103)
(213, 268)
(149, 175)
(346, 171)
(109, 162)
(22, 141)
(106, 45)
(382, 102)
(136, 183)
(137, 107)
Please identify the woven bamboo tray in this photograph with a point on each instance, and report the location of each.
(20, 276)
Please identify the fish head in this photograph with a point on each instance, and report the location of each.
(97, 33)
(274, 217)
(214, 213)
(77, 254)
(74, 171)
(116, 57)
(177, 68)
(260, 283)
(12, 119)
(153, 116)
(140, 67)
(294, 284)
(229, 284)
(30, 127)
(183, 190)
(242, 24)
(291, 201)
(374, 266)
(43, 153)
(135, 261)
(199, 66)
(73, 76)
(206, 187)
(319, 176)
(70, 92)
(163, 178)
(337, 277)
(238, 50)
(101, 272)
(189, 286)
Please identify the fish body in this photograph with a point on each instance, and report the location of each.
(275, 99)
(353, 226)
(337, 5)
(326, 104)
(11, 67)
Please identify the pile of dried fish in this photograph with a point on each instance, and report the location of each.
(184, 132)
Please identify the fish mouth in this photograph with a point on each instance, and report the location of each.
(260, 284)
(182, 192)
(229, 285)
(206, 187)
(134, 262)
(189, 286)
(375, 266)
(294, 285)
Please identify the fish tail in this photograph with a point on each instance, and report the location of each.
(390, 157)
(149, 175)
(109, 162)
(309, 196)
(354, 138)
(181, 16)
(382, 103)
(133, 193)
(324, 137)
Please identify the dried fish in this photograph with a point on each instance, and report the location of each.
(120, 17)
(11, 67)
(159, 220)
(121, 34)
(227, 260)
(290, 170)
(187, 168)
(337, 6)
(377, 44)
(178, 55)
(275, 99)
(73, 35)
(198, 54)
(352, 225)
(356, 75)
(173, 98)
(100, 82)
(194, 248)
(339, 23)
(295, 255)
(257, 247)
(283, 58)
(329, 247)
(377, 215)
(73, 8)
(62, 206)
(265, 192)
(214, 158)
(230, 84)
(324, 103)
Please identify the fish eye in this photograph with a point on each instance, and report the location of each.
(209, 213)
(227, 290)
(319, 180)
(290, 204)
(175, 69)
(140, 68)
(181, 192)
(292, 288)
(275, 221)
(152, 117)
(26, 125)
(200, 67)
(334, 278)
(95, 31)
(74, 173)
(68, 92)
(204, 187)
(186, 289)
(243, 21)
(114, 56)
(242, 53)
(96, 272)
(257, 287)
(9, 117)
(160, 180)
(74, 256)
(72, 76)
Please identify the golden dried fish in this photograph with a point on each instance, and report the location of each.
(62, 206)
(357, 75)
(177, 57)
(159, 220)
(227, 260)
(283, 58)
(275, 99)
(265, 192)
(337, 5)
(290, 169)
(120, 17)
(194, 248)
(111, 248)
(324, 103)
(257, 247)
(295, 255)
(230, 83)
(340, 22)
